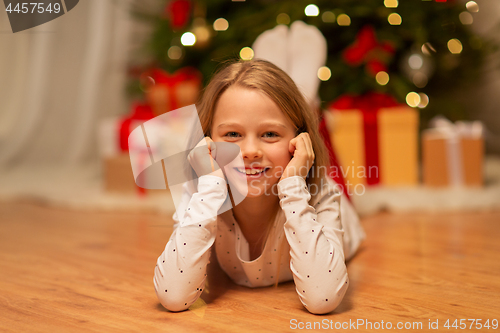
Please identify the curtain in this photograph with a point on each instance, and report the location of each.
(58, 80)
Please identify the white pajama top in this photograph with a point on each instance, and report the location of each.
(307, 243)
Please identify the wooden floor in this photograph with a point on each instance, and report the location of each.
(64, 271)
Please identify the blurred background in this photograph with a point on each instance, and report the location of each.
(409, 88)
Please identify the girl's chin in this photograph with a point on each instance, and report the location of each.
(267, 191)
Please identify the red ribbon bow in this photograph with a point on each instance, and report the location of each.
(366, 49)
(140, 112)
(369, 105)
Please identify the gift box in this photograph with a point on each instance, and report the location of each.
(113, 145)
(122, 153)
(453, 154)
(173, 91)
(117, 175)
(375, 139)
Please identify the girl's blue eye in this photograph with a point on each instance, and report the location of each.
(231, 134)
(271, 134)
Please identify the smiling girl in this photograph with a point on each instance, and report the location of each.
(290, 225)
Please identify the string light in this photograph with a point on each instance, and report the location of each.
(188, 39)
(324, 73)
(328, 17)
(283, 19)
(415, 61)
(472, 6)
(428, 49)
(413, 99)
(343, 20)
(311, 10)
(174, 52)
(202, 34)
(455, 46)
(246, 53)
(382, 78)
(466, 18)
(420, 80)
(394, 19)
(424, 100)
(221, 24)
(391, 3)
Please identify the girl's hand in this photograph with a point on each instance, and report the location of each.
(301, 149)
(202, 158)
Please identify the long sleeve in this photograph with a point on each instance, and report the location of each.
(315, 237)
(180, 273)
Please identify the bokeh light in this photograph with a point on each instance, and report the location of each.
(324, 73)
(343, 20)
(382, 78)
(424, 100)
(472, 6)
(188, 39)
(466, 18)
(328, 17)
(413, 99)
(174, 52)
(394, 19)
(455, 46)
(146, 82)
(283, 18)
(415, 61)
(428, 49)
(311, 10)
(202, 34)
(391, 3)
(420, 79)
(246, 53)
(221, 24)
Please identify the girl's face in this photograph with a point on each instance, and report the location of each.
(250, 119)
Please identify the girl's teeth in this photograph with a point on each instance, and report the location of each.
(252, 172)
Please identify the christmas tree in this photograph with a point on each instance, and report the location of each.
(414, 50)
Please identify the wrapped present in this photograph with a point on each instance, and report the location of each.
(113, 144)
(452, 154)
(375, 139)
(173, 91)
(141, 112)
(117, 175)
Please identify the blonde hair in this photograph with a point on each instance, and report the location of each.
(279, 87)
(267, 78)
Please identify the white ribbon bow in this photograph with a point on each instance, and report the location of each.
(452, 133)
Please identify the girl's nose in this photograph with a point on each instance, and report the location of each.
(250, 149)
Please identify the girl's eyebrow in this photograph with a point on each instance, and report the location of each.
(228, 124)
(278, 124)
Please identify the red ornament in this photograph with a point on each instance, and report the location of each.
(178, 12)
(366, 49)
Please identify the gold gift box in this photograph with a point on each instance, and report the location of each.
(453, 157)
(397, 145)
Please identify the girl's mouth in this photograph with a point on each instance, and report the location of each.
(252, 173)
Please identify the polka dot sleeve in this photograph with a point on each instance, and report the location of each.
(180, 272)
(316, 249)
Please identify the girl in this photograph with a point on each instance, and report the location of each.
(289, 226)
